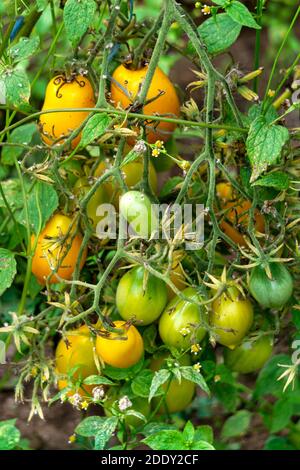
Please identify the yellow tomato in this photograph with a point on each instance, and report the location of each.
(125, 86)
(79, 352)
(63, 93)
(57, 250)
(121, 350)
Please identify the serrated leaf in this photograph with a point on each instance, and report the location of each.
(153, 428)
(166, 440)
(17, 87)
(189, 373)
(204, 433)
(264, 145)
(90, 426)
(94, 128)
(105, 433)
(9, 436)
(160, 377)
(8, 269)
(20, 135)
(97, 380)
(78, 16)
(240, 13)
(42, 202)
(24, 48)
(188, 432)
(277, 180)
(201, 445)
(256, 110)
(236, 425)
(219, 33)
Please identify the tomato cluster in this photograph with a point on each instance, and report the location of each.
(184, 312)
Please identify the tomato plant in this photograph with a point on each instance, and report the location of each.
(149, 225)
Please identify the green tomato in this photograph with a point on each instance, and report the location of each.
(81, 188)
(141, 296)
(179, 323)
(231, 317)
(249, 356)
(137, 210)
(271, 293)
(180, 394)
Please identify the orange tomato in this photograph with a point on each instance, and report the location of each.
(79, 352)
(62, 93)
(121, 350)
(55, 251)
(125, 86)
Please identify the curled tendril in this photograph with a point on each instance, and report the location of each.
(62, 80)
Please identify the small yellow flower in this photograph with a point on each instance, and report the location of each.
(197, 367)
(84, 405)
(217, 378)
(185, 331)
(206, 10)
(159, 144)
(198, 5)
(271, 93)
(155, 152)
(34, 371)
(195, 348)
(72, 439)
(44, 378)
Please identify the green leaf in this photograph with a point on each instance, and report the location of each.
(267, 381)
(256, 110)
(78, 16)
(90, 426)
(149, 337)
(281, 414)
(204, 433)
(9, 435)
(13, 195)
(160, 377)
(94, 128)
(188, 432)
(219, 33)
(8, 269)
(141, 384)
(277, 443)
(201, 445)
(130, 157)
(20, 135)
(171, 185)
(166, 440)
(153, 428)
(17, 87)
(240, 13)
(41, 5)
(189, 373)
(123, 373)
(264, 145)
(105, 433)
(24, 48)
(42, 202)
(277, 180)
(97, 380)
(236, 425)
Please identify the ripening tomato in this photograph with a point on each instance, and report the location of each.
(132, 173)
(180, 394)
(249, 356)
(224, 191)
(178, 278)
(274, 292)
(137, 210)
(81, 188)
(125, 86)
(76, 92)
(231, 317)
(236, 219)
(121, 350)
(57, 250)
(78, 352)
(140, 296)
(182, 322)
